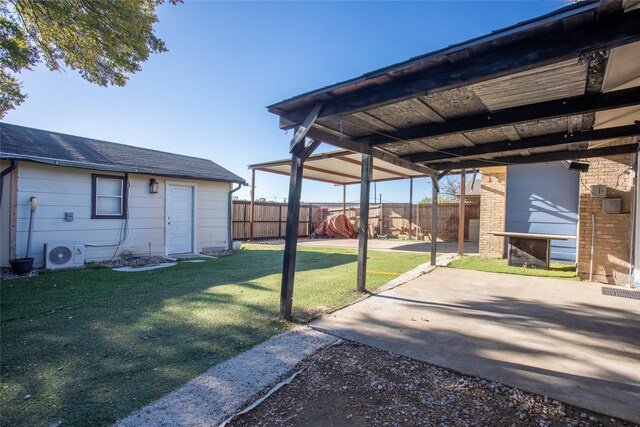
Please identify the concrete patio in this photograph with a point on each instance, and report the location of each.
(557, 338)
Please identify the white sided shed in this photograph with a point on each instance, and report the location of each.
(114, 199)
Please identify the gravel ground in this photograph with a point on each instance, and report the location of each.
(128, 262)
(7, 274)
(357, 385)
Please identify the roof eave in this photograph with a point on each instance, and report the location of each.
(571, 10)
(111, 168)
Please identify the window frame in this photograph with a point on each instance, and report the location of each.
(94, 196)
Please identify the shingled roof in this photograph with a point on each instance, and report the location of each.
(42, 146)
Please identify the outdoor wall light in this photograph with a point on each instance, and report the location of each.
(154, 186)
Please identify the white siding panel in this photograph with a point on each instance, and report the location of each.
(148, 213)
(90, 225)
(52, 199)
(206, 203)
(53, 186)
(54, 212)
(61, 190)
(212, 214)
(215, 214)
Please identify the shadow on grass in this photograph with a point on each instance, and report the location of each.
(90, 347)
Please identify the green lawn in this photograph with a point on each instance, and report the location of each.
(90, 346)
(496, 265)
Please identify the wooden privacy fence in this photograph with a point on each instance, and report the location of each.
(270, 219)
(393, 219)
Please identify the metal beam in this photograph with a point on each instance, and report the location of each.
(541, 158)
(375, 168)
(411, 209)
(461, 204)
(308, 177)
(434, 220)
(344, 199)
(363, 223)
(312, 157)
(603, 33)
(527, 143)
(543, 110)
(357, 147)
(330, 172)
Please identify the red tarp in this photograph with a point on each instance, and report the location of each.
(336, 226)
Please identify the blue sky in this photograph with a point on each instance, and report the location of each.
(206, 97)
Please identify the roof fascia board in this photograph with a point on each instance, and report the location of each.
(557, 15)
(358, 147)
(605, 33)
(540, 158)
(311, 158)
(107, 168)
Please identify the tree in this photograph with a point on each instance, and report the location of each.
(105, 41)
(450, 187)
(427, 200)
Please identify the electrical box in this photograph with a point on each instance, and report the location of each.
(598, 191)
(612, 206)
(68, 216)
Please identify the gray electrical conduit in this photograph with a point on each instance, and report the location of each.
(593, 237)
(230, 217)
(634, 215)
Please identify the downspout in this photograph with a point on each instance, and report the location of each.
(230, 217)
(14, 165)
(593, 238)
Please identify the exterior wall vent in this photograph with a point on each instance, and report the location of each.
(612, 206)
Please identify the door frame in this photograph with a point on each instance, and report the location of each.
(194, 216)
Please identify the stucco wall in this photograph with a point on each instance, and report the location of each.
(61, 190)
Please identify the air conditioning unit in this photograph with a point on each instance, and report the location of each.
(63, 255)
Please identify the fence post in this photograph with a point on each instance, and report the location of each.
(253, 197)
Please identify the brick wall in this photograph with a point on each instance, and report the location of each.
(612, 231)
(492, 211)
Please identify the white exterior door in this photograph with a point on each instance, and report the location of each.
(179, 232)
